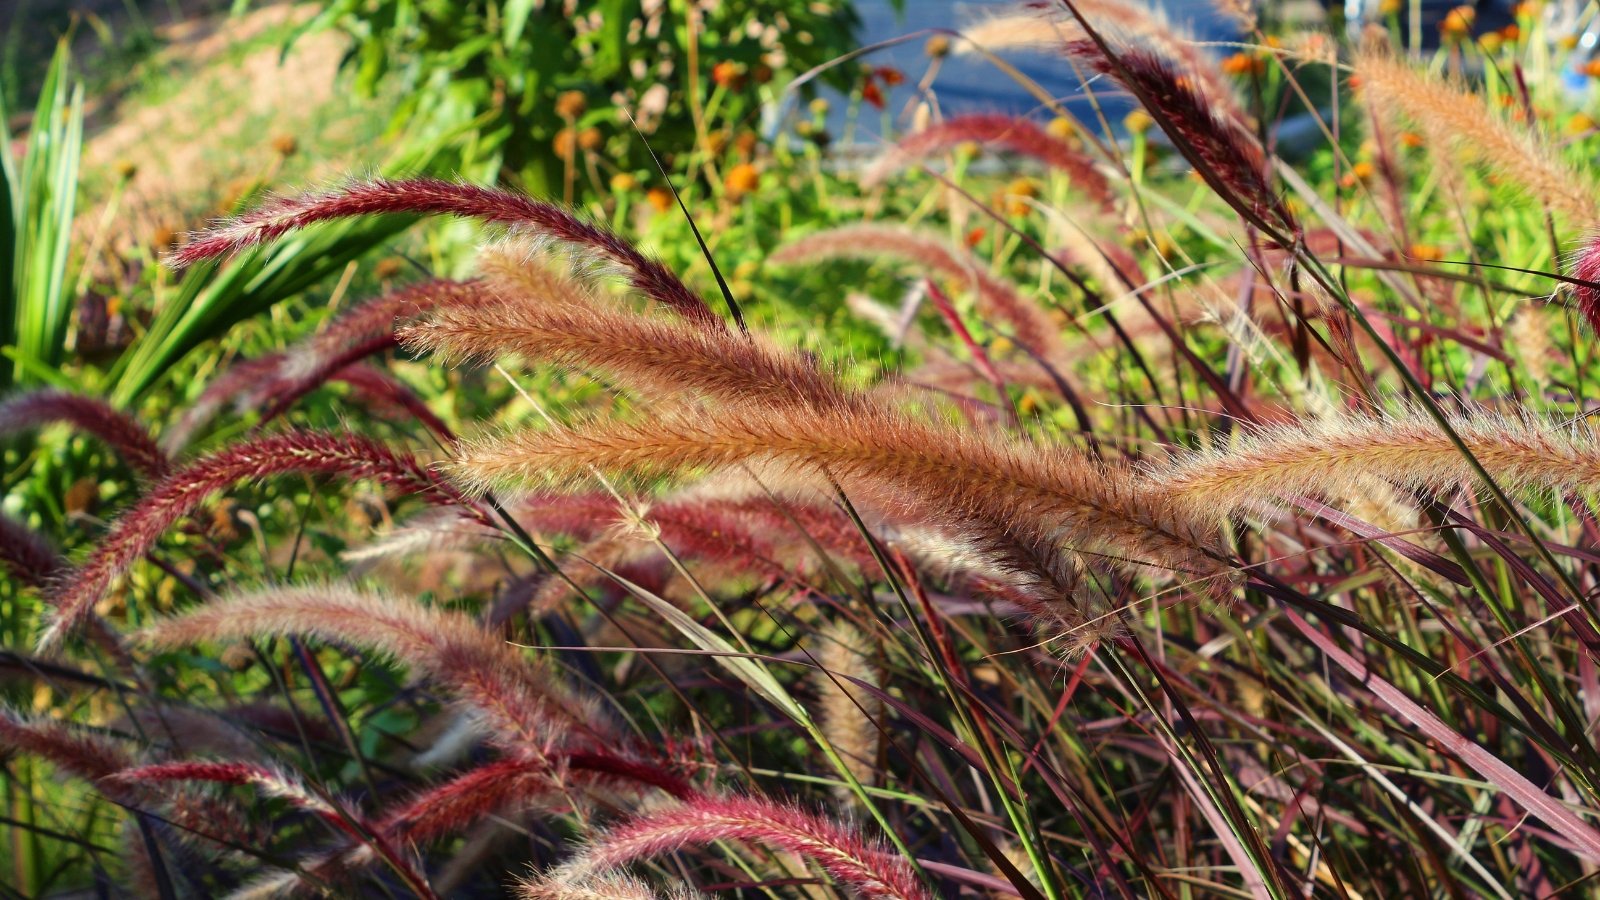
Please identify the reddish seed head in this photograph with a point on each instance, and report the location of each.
(1587, 268)
(116, 429)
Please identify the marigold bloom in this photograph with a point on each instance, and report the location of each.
(741, 180)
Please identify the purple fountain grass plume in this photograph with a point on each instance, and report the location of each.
(78, 752)
(245, 381)
(115, 429)
(97, 759)
(864, 866)
(651, 356)
(386, 394)
(503, 788)
(436, 197)
(997, 297)
(492, 787)
(381, 315)
(1218, 146)
(1462, 123)
(911, 469)
(528, 708)
(138, 529)
(848, 715)
(272, 782)
(1021, 136)
(1586, 267)
(26, 555)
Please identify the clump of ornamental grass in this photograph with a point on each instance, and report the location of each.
(752, 577)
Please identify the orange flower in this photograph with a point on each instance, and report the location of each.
(565, 144)
(741, 180)
(1458, 21)
(659, 199)
(1359, 173)
(571, 104)
(590, 139)
(889, 75)
(1244, 64)
(728, 74)
(975, 236)
(1592, 68)
(1425, 252)
(1410, 139)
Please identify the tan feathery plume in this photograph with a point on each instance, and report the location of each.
(1463, 124)
(527, 706)
(652, 356)
(909, 468)
(1529, 334)
(520, 266)
(848, 714)
(1331, 456)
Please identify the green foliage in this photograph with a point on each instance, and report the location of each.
(550, 85)
(38, 198)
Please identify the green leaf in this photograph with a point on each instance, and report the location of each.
(515, 15)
